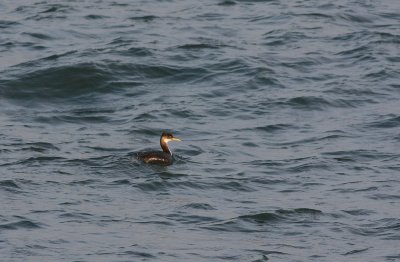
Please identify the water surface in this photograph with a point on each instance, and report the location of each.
(288, 112)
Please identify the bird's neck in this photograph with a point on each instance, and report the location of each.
(164, 146)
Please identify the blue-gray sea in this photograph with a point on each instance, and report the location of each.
(289, 112)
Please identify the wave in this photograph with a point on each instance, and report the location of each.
(76, 216)
(10, 185)
(356, 251)
(383, 228)
(22, 224)
(360, 212)
(275, 128)
(357, 155)
(390, 121)
(261, 218)
(87, 81)
(200, 206)
(251, 222)
(149, 186)
(5, 24)
(57, 83)
(145, 18)
(199, 46)
(95, 17)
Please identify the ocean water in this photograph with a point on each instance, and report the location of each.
(289, 114)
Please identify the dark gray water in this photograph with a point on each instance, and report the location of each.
(289, 114)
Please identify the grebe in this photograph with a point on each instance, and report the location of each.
(163, 158)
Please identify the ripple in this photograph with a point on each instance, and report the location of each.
(145, 18)
(95, 17)
(38, 160)
(275, 128)
(77, 80)
(290, 110)
(261, 218)
(70, 118)
(355, 251)
(164, 185)
(315, 103)
(356, 155)
(54, 8)
(138, 51)
(41, 147)
(8, 184)
(389, 122)
(85, 182)
(143, 255)
(385, 196)
(246, 223)
(227, 3)
(190, 219)
(201, 206)
(39, 36)
(359, 212)
(300, 212)
(7, 24)
(22, 224)
(76, 216)
(198, 46)
(356, 18)
(121, 182)
(386, 228)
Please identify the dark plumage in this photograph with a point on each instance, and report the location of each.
(164, 157)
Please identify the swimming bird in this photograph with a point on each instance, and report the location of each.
(164, 157)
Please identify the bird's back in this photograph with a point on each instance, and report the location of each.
(155, 157)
